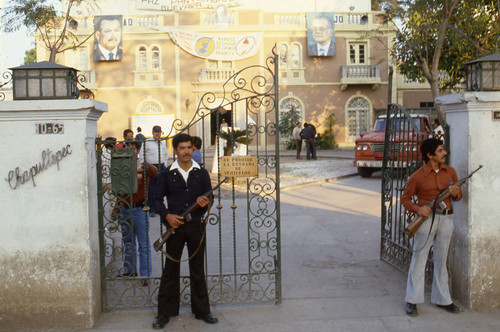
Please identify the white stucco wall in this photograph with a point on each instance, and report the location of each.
(475, 250)
(49, 258)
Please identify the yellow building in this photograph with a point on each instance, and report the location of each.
(162, 73)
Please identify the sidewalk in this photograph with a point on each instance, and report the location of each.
(333, 279)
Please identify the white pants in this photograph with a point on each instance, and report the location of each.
(440, 236)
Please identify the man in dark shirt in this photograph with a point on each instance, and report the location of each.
(426, 183)
(309, 134)
(183, 183)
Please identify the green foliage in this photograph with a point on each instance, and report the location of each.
(427, 44)
(43, 18)
(236, 136)
(29, 56)
(288, 121)
(326, 140)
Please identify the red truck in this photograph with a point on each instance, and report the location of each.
(369, 151)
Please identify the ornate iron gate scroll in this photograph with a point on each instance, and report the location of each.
(243, 255)
(401, 158)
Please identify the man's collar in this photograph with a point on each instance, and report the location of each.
(428, 168)
(175, 165)
(105, 52)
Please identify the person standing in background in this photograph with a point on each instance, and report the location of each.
(298, 139)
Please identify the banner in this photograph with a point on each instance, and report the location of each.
(217, 46)
(178, 5)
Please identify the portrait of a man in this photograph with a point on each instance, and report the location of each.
(108, 38)
(320, 34)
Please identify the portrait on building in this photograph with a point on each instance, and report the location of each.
(320, 34)
(108, 38)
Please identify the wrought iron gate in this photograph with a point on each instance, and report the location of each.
(243, 256)
(403, 136)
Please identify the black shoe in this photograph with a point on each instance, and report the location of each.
(450, 308)
(208, 318)
(411, 309)
(160, 322)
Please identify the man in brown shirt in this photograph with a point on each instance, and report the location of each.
(426, 183)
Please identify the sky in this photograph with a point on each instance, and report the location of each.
(13, 45)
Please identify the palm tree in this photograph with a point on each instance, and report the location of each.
(233, 137)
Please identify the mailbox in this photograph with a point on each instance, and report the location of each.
(123, 171)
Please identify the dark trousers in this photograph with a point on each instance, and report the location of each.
(298, 146)
(169, 292)
(311, 148)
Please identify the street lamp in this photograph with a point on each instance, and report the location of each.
(44, 80)
(484, 74)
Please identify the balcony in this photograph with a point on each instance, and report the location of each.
(360, 75)
(208, 75)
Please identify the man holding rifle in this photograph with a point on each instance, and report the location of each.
(427, 183)
(183, 183)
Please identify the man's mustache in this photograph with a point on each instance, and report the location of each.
(112, 39)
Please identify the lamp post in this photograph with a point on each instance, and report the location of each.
(484, 74)
(44, 80)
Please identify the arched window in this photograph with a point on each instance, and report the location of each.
(291, 103)
(283, 51)
(143, 58)
(358, 118)
(296, 59)
(155, 63)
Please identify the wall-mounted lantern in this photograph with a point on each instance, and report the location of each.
(484, 74)
(44, 80)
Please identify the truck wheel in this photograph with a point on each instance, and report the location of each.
(365, 172)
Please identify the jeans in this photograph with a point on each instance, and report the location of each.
(133, 226)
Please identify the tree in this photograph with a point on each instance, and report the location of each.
(29, 56)
(438, 36)
(288, 121)
(43, 18)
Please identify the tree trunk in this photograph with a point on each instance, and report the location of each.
(435, 93)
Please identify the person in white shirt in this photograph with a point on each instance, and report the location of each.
(438, 131)
(156, 154)
(297, 138)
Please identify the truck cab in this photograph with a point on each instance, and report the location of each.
(369, 151)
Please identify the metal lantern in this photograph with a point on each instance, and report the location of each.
(484, 74)
(44, 80)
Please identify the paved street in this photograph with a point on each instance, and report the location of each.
(332, 277)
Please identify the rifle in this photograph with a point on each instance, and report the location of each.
(413, 226)
(187, 217)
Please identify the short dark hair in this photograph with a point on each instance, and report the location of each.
(110, 142)
(436, 121)
(106, 18)
(179, 138)
(126, 131)
(429, 146)
(139, 129)
(197, 142)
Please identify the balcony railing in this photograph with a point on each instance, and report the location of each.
(87, 78)
(215, 75)
(360, 74)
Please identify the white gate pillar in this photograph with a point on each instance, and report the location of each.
(474, 139)
(49, 248)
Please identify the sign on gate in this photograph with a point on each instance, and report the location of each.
(239, 166)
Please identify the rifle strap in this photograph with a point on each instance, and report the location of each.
(204, 226)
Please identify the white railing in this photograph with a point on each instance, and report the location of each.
(360, 71)
(290, 19)
(148, 21)
(215, 75)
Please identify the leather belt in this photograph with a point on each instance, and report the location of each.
(444, 212)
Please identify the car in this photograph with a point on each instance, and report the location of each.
(369, 151)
